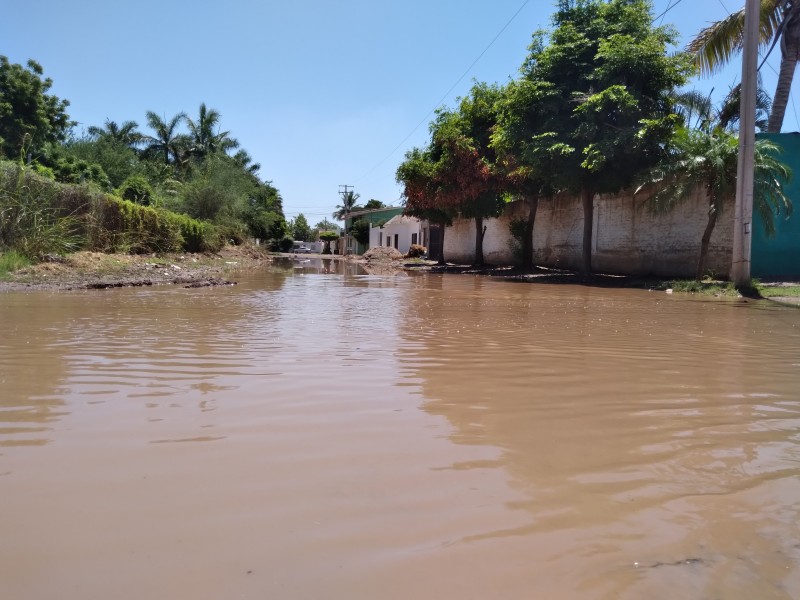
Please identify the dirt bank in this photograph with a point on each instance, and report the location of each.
(94, 270)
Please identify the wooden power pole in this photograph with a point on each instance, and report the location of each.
(743, 215)
(343, 189)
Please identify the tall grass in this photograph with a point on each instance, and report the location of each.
(12, 261)
(31, 220)
(40, 217)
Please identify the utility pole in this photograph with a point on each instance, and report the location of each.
(743, 215)
(343, 189)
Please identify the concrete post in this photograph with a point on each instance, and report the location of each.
(743, 216)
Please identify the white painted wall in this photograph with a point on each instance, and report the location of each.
(402, 227)
(628, 237)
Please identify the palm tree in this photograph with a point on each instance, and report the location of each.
(245, 161)
(715, 45)
(126, 133)
(347, 206)
(205, 134)
(166, 142)
(708, 159)
(698, 111)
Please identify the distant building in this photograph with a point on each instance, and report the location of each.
(399, 232)
(389, 227)
(375, 216)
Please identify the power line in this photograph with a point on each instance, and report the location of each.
(669, 8)
(447, 93)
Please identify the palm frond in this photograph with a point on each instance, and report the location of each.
(715, 45)
(770, 178)
(693, 104)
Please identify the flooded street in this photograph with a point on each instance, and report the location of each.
(313, 434)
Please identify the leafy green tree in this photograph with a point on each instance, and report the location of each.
(245, 161)
(611, 71)
(300, 228)
(30, 118)
(264, 214)
(717, 44)
(476, 185)
(166, 141)
(328, 237)
(126, 134)
(374, 204)
(205, 135)
(219, 189)
(117, 160)
(67, 167)
(527, 157)
(708, 159)
(455, 174)
(424, 194)
(326, 225)
(360, 231)
(266, 225)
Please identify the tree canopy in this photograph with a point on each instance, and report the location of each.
(613, 79)
(300, 229)
(179, 163)
(30, 118)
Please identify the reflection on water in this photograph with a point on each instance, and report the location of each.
(320, 432)
(643, 432)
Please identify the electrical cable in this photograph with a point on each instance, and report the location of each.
(447, 93)
(669, 8)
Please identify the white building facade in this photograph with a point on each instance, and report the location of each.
(399, 232)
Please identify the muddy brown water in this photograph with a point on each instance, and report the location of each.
(317, 433)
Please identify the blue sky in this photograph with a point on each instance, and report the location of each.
(321, 93)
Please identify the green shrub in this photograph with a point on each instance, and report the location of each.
(68, 169)
(199, 236)
(39, 216)
(12, 261)
(45, 172)
(136, 189)
(360, 231)
(233, 231)
(282, 245)
(121, 225)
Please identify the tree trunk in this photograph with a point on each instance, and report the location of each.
(790, 53)
(527, 239)
(712, 221)
(480, 231)
(587, 199)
